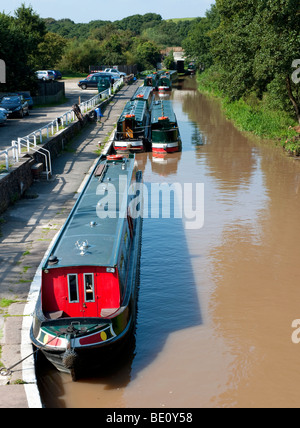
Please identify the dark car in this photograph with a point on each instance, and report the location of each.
(27, 97)
(57, 74)
(92, 80)
(15, 105)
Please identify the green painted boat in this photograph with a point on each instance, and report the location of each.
(146, 94)
(166, 80)
(165, 136)
(133, 128)
(151, 80)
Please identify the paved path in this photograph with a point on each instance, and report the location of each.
(40, 117)
(27, 229)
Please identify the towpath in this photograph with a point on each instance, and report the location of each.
(26, 231)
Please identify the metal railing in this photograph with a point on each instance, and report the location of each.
(30, 141)
(5, 153)
(39, 150)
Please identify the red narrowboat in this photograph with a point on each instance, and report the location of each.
(87, 302)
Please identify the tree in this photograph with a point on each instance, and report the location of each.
(164, 34)
(278, 41)
(169, 61)
(255, 45)
(15, 49)
(112, 50)
(32, 27)
(78, 56)
(137, 23)
(103, 32)
(197, 44)
(147, 54)
(50, 51)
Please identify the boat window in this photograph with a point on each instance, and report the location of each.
(73, 288)
(89, 287)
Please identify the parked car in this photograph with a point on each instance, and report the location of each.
(3, 116)
(15, 105)
(27, 97)
(117, 74)
(57, 74)
(92, 80)
(45, 75)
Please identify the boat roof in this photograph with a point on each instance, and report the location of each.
(143, 92)
(163, 108)
(84, 225)
(136, 107)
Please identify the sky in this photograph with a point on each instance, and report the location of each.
(109, 10)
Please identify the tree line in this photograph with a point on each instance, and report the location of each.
(29, 42)
(249, 47)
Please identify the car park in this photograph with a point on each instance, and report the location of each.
(45, 75)
(15, 105)
(91, 82)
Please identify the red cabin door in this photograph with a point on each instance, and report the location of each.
(82, 295)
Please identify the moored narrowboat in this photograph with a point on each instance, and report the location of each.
(165, 134)
(191, 68)
(166, 80)
(133, 128)
(146, 94)
(86, 308)
(151, 80)
(164, 83)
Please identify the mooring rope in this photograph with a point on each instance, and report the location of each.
(8, 371)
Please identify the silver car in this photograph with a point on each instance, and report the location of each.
(45, 75)
(115, 73)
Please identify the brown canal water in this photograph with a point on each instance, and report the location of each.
(217, 302)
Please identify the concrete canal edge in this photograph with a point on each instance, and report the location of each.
(28, 365)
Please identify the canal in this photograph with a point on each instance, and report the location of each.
(219, 287)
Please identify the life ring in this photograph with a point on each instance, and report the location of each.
(163, 118)
(114, 157)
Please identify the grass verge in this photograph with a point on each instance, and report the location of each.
(251, 115)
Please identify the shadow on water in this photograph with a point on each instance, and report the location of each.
(168, 300)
